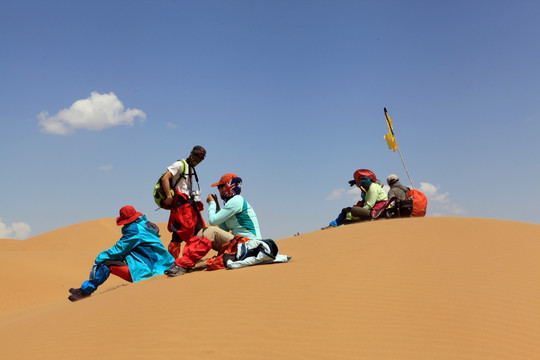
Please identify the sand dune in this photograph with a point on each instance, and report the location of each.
(430, 288)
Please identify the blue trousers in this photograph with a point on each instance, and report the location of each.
(98, 275)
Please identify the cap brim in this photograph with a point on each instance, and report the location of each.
(216, 184)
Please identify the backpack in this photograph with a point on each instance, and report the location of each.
(398, 208)
(419, 203)
(227, 252)
(159, 192)
(414, 205)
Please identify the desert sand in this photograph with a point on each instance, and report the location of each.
(424, 288)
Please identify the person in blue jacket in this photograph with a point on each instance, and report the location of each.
(236, 218)
(138, 255)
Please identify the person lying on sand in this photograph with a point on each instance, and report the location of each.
(138, 255)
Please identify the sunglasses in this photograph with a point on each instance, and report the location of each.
(199, 157)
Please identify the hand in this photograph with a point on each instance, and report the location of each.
(167, 202)
(210, 198)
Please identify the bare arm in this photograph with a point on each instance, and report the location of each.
(165, 183)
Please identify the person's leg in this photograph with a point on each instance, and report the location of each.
(119, 268)
(98, 275)
(122, 272)
(339, 220)
(360, 213)
(211, 237)
(217, 236)
(174, 245)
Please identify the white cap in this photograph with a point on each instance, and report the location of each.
(392, 178)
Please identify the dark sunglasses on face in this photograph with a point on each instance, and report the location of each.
(198, 157)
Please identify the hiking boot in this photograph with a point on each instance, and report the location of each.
(77, 294)
(175, 270)
(332, 224)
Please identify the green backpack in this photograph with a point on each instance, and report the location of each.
(159, 192)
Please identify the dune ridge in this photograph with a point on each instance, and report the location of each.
(429, 288)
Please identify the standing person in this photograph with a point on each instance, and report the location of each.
(236, 218)
(397, 190)
(138, 255)
(185, 219)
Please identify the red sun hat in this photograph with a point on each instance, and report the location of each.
(225, 179)
(128, 214)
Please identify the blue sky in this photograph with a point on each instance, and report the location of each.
(98, 98)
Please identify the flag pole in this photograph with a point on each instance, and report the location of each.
(397, 146)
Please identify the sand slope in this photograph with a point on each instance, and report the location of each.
(431, 288)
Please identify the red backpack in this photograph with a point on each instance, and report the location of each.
(227, 252)
(419, 203)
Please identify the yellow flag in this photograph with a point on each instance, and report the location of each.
(390, 139)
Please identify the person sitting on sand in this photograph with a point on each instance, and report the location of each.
(397, 190)
(374, 198)
(237, 217)
(138, 255)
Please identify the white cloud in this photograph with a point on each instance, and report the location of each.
(97, 112)
(171, 125)
(352, 194)
(18, 230)
(335, 194)
(439, 204)
(105, 167)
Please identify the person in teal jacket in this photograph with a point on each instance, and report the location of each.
(138, 255)
(236, 218)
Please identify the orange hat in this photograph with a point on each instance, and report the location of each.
(128, 214)
(225, 179)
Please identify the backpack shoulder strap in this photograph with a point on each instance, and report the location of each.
(405, 188)
(181, 174)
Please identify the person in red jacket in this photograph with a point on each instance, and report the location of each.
(185, 219)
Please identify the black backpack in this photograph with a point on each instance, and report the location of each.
(398, 208)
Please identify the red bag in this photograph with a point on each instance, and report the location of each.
(419, 201)
(228, 250)
(185, 218)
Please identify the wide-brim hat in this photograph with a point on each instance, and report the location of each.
(225, 179)
(128, 214)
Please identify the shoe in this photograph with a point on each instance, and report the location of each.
(175, 270)
(77, 294)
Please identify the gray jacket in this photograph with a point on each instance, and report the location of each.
(398, 191)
